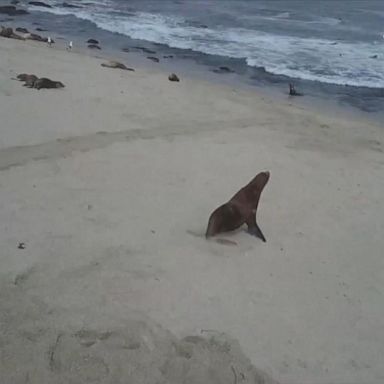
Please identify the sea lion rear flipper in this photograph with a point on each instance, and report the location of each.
(254, 230)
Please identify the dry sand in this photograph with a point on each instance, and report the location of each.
(109, 182)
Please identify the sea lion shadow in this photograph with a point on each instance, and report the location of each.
(219, 240)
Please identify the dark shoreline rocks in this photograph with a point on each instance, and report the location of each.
(11, 10)
(9, 34)
(93, 46)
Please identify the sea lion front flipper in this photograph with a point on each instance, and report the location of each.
(254, 230)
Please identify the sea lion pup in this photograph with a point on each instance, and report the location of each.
(47, 83)
(239, 210)
(116, 64)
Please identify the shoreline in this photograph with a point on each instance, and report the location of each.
(349, 101)
(109, 183)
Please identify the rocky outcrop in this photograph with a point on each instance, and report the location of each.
(93, 46)
(92, 41)
(11, 10)
(8, 33)
(153, 58)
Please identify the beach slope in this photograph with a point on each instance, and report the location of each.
(106, 189)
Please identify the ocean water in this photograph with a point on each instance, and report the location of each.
(329, 48)
(331, 41)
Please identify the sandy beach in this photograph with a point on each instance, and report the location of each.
(109, 183)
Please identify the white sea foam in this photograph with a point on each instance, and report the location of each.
(307, 58)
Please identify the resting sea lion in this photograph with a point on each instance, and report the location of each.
(116, 64)
(47, 83)
(29, 79)
(22, 76)
(239, 210)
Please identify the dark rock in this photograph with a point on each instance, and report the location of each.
(15, 2)
(223, 70)
(6, 32)
(40, 4)
(11, 10)
(93, 46)
(168, 57)
(22, 30)
(92, 41)
(67, 5)
(173, 77)
(21, 246)
(155, 59)
(125, 49)
(373, 57)
(41, 29)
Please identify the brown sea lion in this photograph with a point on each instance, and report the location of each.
(116, 64)
(30, 81)
(47, 83)
(23, 76)
(239, 210)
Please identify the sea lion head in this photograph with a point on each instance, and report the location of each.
(222, 219)
(262, 178)
(59, 84)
